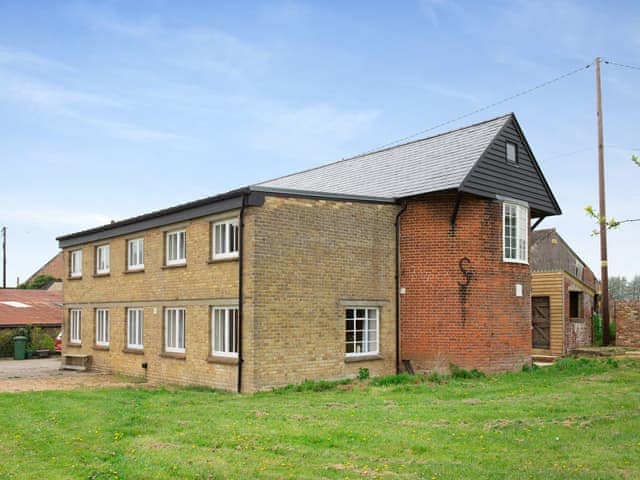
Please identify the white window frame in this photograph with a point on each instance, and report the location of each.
(75, 263)
(515, 152)
(135, 328)
(515, 249)
(102, 327)
(75, 326)
(225, 236)
(103, 253)
(181, 247)
(224, 331)
(135, 254)
(172, 332)
(363, 344)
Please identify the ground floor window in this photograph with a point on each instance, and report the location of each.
(102, 327)
(575, 304)
(135, 319)
(174, 330)
(75, 327)
(361, 331)
(224, 331)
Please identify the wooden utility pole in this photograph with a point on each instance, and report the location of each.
(602, 213)
(4, 257)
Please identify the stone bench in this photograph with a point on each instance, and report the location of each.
(75, 362)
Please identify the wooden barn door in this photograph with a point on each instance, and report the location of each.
(541, 322)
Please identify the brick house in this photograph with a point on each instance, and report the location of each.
(564, 295)
(414, 256)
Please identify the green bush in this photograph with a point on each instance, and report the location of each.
(363, 373)
(6, 343)
(38, 282)
(457, 372)
(37, 339)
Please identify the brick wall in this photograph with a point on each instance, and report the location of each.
(627, 318)
(483, 325)
(197, 287)
(306, 261)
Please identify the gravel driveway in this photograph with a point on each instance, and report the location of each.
(44, 374)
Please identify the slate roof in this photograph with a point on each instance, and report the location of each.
(30, 307)
(431, 164)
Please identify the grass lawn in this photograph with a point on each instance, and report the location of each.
(577, 419)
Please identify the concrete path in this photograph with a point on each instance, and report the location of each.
(44, 374)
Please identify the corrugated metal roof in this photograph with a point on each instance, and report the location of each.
(431, 164)
(30, 307)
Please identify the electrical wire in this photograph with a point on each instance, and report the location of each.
(481, 109)
(632, 67)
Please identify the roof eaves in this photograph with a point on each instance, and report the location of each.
(320, 194)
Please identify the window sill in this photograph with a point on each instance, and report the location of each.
(178, 265)
(104, 348)
(222, 359)
(510, 260)
(362, 358)
(98, 275)
(75, 278)
(174, 355)
(139, 270)
(223, 260)
(576, 319)
(135, 351)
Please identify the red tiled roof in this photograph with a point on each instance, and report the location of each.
(43, 307)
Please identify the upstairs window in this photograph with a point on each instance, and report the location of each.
(102, 327)
(515, 233)
(176, 247)
(361, 331)
(75, 326)
(75, 264)
(102, 259)
(225, 331)
(135, 254)
(226, 235)
(512, 152)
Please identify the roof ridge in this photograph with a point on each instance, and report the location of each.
(371, 152)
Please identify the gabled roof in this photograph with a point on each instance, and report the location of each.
(466, 159)
(427, 165)
(30, 307)
(54, 267)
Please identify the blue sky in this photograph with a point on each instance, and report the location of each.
(112, 109)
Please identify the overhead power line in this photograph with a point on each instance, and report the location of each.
(482, 109)
(632, 67)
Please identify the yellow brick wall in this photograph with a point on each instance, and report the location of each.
(195, 287)
(304, 259)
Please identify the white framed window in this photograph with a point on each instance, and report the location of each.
(75, 326)
(224, 331)
(102, 259)
(361, 331)
(102, 327)
(135, 254)
(176, 247)
(174, 330)
(135, 328)
(75, 263)
(515, 234)
(511, 152)
(226, 236)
